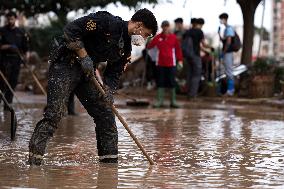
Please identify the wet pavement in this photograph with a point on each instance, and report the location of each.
(201, 145)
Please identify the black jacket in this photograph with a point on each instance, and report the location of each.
(105, 38)
(15, 36)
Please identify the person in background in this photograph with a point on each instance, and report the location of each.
(195, 65)
(179, 28)
(13, 42)
(169, 51)
(74, 57)
(179, 31)
(150, 69)
(227, 53)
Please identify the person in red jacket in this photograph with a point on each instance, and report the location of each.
(168, 53)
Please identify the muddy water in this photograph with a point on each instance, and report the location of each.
(192, 148)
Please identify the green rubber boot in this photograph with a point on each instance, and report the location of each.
(160, 98)
(173, 99)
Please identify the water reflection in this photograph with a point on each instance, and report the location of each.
(193, 148)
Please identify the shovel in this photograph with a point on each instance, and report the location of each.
(114, 110)
(33, 74)
(13, 116)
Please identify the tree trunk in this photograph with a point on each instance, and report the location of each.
(248, 8)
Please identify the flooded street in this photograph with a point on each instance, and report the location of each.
(214, 147)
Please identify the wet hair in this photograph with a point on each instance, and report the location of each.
(147, 18)
(179, 20)
(11, 14)
(200, 21)
(193, 21)
(224, 16)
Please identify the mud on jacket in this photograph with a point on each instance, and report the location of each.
(105, 38)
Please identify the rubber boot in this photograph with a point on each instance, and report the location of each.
(173, 99)
(160, 98)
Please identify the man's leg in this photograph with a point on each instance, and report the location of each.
(172, 84)
(106, 130)
(160, 87)
(229, 63)
(62, 80)
(196, 76)
(189, 76)
(12, 74)
(2, 83)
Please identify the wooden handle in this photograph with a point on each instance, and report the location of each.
(34, 76)
(36, 80)
(13, 92)
(114, 110)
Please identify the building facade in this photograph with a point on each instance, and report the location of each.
(278, 29)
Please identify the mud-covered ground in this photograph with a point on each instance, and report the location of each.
(202, 145)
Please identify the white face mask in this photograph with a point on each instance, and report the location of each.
(222, 22)
(137, 40)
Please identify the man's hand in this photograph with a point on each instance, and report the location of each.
(179, 65)
(14, 47)
(87, 66)
(108, 97)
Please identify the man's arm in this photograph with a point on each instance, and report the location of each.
(113, 72)
(229, 34)
(227, 44)
(2, 45)
(178, 50)
(74, 32)
(221, 38)
(152, 43)
(203, 45)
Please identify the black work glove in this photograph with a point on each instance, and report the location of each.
(108, 97)
(87, 66)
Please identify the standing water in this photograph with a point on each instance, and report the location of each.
(192, 148)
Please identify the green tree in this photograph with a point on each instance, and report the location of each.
(61, 7)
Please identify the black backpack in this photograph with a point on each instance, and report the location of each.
(236, 43)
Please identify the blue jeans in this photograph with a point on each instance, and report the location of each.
(228, 64)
